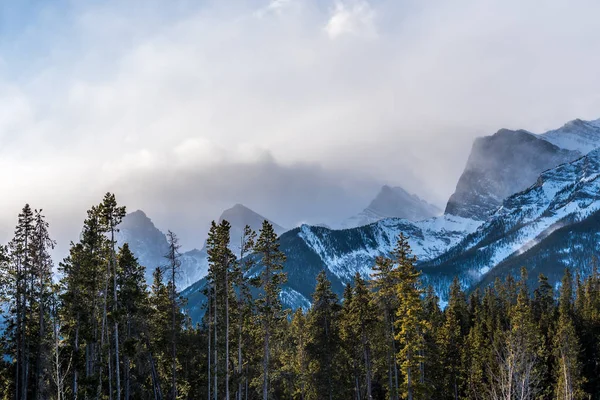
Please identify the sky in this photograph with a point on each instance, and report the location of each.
(299, 109)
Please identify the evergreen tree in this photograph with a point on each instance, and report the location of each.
(365, 322)
(134, 313)
(410, 322)
(173, 266)
(268, 304)
(111, 216)
(451, 340)
(567, 346)
(384, 282)
(323, 342)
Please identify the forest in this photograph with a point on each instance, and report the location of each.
(91, 327)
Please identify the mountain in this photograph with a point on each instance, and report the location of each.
(150, 245)
(393, 202)
(500, 165)
(342, 253)
(239, 216)
(550, 225)
(578, 135)
(509, 161)
(547, 227)
(145, 240)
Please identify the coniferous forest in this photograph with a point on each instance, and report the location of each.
(91, 327)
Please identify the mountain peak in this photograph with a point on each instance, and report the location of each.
(239, 216)
(579, 135)
(502, 164)
(393, 202)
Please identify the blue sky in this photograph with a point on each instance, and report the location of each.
(195, 106)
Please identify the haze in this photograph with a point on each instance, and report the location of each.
(300, 110)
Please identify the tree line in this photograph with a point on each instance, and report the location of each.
(95, 330)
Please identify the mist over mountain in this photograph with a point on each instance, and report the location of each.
(393, 202)
(509, 161)
(239, 216)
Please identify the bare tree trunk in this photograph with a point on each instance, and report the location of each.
(19, 307)
(110, 371)
(116, 308)
(356, 382)
(155, 380)
(102, 334)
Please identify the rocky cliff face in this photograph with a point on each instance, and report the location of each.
(499, 166)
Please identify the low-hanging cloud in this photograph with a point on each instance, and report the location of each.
(299, 108)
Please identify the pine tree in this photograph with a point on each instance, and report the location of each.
(268, 304)
(451, 340)
(517, 351)
(384, 282)
(324, 338)
(365, 321)
(409, 321)
(297, 358)
(41, 245)
(133, 316)
(111, 216)
(243, 284)
(566, 346)
(173, 266)
(350, 345)
(20, 311)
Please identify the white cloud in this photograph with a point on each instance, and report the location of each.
(354, 17)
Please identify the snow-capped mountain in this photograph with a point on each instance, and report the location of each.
(393, 202)
(509, 161)
(560, 202)
(150, 245)
(578, 135)
(523, 200)
(500, 165)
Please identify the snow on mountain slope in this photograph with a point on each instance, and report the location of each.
(562, 196)
(345, 252)
(393, 202)
(578, 135)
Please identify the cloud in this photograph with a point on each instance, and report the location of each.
(200, 99)
(351, 18)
